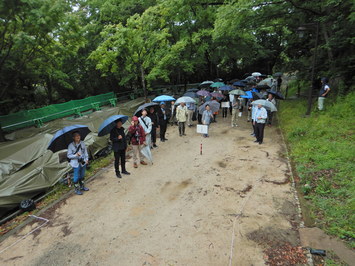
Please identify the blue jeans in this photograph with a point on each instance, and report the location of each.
(79, 173)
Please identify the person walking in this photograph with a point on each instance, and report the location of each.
(260, 117)
(323, 93)
(79, 159)
(207, 115)
(190, 111)
(119, 146)
(235, 111)
(181, 116)
(155, 124)
(137, 140)
(163, 121)
(146, 123)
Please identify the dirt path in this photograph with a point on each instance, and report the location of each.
(231, 204)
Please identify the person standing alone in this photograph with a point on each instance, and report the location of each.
(79, 158)
(181, 116)
(163, 121)
(259, 119)
(119, 146)
(323, 93)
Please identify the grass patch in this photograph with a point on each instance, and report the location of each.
(57, 192)
(323, 152)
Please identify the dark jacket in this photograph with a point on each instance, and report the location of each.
(118, 144)
(154, 118)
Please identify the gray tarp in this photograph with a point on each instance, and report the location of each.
(27, 168)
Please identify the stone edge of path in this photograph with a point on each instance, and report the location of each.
(294, 190)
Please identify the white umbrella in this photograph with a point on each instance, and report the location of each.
(185, 99)
(268, 81)
(147, 153)
(268, 105)
(256, 74)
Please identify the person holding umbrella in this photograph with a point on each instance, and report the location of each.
(260, 116)
(270, 98)
(155, 124)
(119, 146)
(79, 158)
(146, 123)
(163, 121)
(137, 140)
(181, 116)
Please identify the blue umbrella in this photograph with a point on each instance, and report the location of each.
(239, 84)
(106, 126)
(248, 96)
(191, 94)
(192, 90)
(226, 88)
(163, 98)
(63, 137)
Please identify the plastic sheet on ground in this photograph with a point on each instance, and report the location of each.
(27, 168)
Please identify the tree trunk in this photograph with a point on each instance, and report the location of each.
(143, 83)
(2, 135)
(326, 37)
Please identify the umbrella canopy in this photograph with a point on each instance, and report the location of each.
(277, 74)
(249, 95)
(64, 137)
(263, 87)
(164, 98)
(257, 95)
(191, 94)
(206, 83)
(218, 80)
(217, 95)
(213, 105)
(256, 74)
(147, 153)
(192, 89)
(268, 105)
(217, 84)
(239, 84)
(185, 99)
(237, 92)
(203, 93)
(138, 112)
(106, 126)
(277, 94)
(226, 88)
(267, 82)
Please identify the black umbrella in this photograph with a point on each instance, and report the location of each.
(263, 87)
(139, 110)
(64, 137)
(277, 94)
(257, 95)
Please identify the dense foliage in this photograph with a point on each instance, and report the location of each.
(58, 50)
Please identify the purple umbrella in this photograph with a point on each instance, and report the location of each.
(217, 95)
(203, 93)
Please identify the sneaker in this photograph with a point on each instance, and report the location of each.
(155, 146)
(165, 139)
(252, 134)
(143, 163)
(84, 189)
(78, 192)
(126, 173)
(135, 165)
(118, 175)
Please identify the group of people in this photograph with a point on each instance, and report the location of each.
(143, 129)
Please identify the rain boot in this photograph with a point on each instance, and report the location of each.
(77, 189)
(82, 187)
